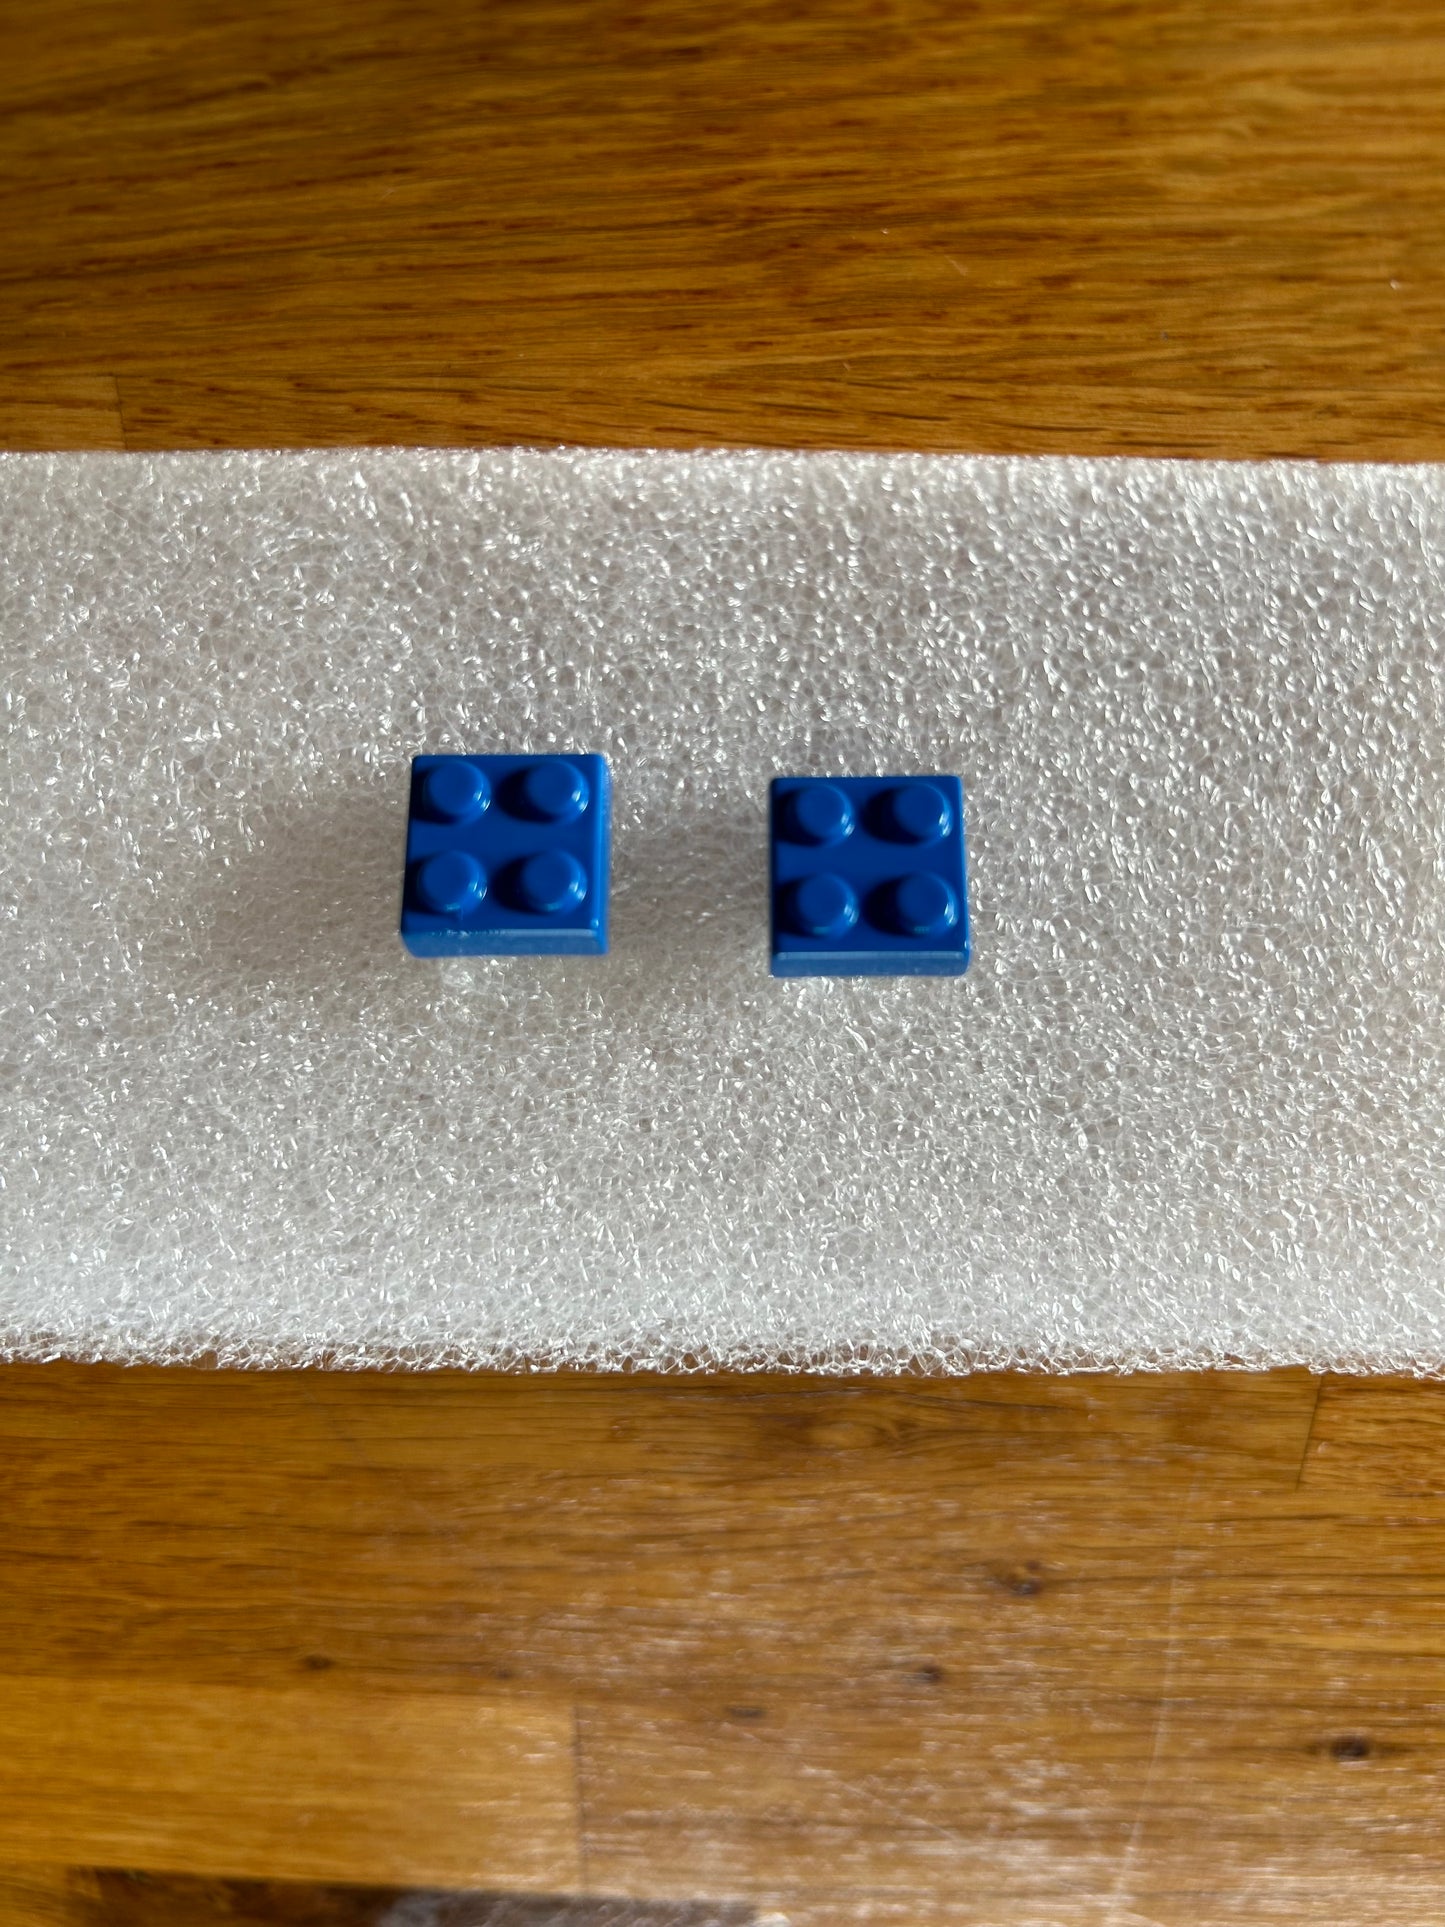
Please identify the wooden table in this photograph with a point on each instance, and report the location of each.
(1002, 1651)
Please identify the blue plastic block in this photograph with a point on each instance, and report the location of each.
(868, 877)
(506, 856)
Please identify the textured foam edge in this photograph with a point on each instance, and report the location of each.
(941, 1360)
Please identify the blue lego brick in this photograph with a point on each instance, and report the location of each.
(868, 877)
(507, 856)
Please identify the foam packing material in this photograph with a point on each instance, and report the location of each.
(1187, 1107)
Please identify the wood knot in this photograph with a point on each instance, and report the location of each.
(1025, 1581)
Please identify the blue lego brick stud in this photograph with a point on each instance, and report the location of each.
(868, 877)
(506, 856)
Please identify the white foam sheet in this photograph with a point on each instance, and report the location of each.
(1187, 1108)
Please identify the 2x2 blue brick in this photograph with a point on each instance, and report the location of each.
(868, 877)
(508, 856)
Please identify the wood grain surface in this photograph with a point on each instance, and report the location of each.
(1122, 225)
(998, 1653)
(446, 1789)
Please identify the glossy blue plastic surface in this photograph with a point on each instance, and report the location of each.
(868, 877)
(507, 856)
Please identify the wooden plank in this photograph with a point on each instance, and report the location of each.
(1235, 1710)
(51, 410)
(1378, 1439)
(389, 1528)
(47, 1897)
(911, 1636)
(1027, 226)
(976, 1652)
(240, 1780)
